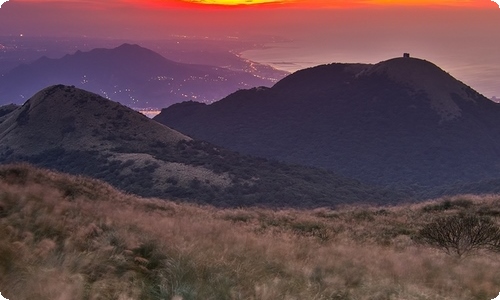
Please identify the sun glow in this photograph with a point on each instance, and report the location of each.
(463, 3)
(235, 2)
(346, 3)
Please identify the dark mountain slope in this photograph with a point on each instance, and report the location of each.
(402, 122)
(130, 74)
(62, 116)
(7, 109)
(75, 131)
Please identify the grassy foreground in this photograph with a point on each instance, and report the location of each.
(65, 237)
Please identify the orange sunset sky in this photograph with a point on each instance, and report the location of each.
(138, 18)
(461, 36)
(295, 3)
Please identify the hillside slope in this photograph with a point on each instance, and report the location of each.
(75, 238)
(6, 109)
(402, 122)
(79, 132)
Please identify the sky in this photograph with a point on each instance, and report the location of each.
(460, 36)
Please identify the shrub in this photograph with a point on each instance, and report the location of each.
(461, 234)
(311, 229)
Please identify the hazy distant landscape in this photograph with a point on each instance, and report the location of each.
(128, 73)
(256, 150)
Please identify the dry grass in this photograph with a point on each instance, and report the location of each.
(65, 237)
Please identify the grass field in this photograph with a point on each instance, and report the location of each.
(65, 237)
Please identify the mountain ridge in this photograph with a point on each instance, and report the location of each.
(78, 132)
(376, 123)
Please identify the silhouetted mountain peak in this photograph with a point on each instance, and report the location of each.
(64, 115)
(134, 49)
(127, 46)
(131, 53)
(129, 73)
(418, 76)
(423, 76)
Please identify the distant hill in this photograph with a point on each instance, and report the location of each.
(75, 131)
(130, 74)
(402, 122)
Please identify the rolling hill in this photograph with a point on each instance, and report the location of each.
(75, 131)
(403, 122)
(130, 74)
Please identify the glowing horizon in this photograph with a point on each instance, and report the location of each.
(341, 3)
(311, 4)
(233, 2)
(461, 35)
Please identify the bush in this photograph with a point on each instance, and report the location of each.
(461, 235)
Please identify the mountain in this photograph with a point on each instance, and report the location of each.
(402, 122)
(75, 131)
(132, 75)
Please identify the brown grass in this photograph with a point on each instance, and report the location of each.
(64, 237)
